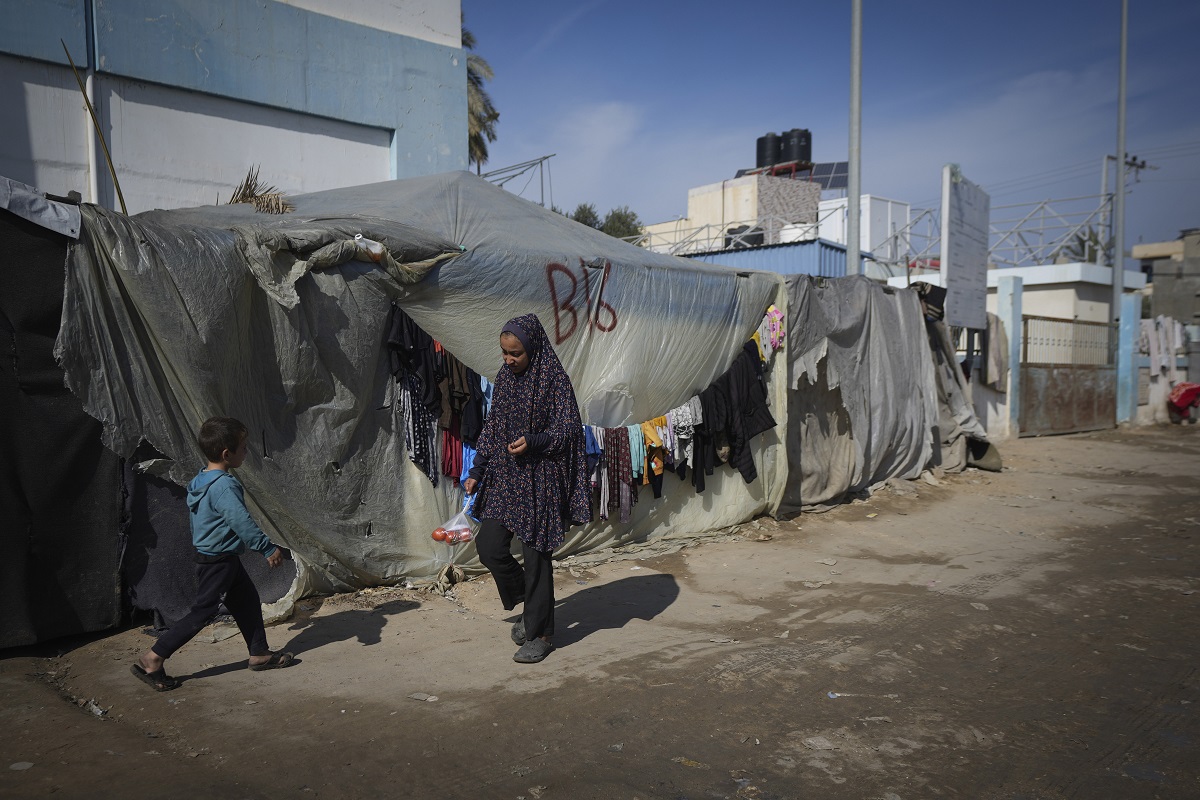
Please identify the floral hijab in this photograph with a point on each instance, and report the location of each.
(537, 496)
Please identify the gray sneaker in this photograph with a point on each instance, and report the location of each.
(533, 651)
(518, 632)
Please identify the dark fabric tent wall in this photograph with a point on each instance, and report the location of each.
(59, 487)
(76, 522)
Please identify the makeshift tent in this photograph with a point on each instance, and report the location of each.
(173, 316)
(169, 317)
(59, 488)
(84, 536)
(862, 406)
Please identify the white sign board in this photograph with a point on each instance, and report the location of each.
(966, 209)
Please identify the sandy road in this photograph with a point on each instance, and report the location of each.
(1026, 634)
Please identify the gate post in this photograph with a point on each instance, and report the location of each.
(1008, 307)
(1126, 368)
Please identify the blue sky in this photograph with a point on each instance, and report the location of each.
(643, 100)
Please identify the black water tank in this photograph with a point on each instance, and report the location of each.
(796, 145)
(768, 151)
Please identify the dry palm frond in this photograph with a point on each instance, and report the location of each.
(265, 199)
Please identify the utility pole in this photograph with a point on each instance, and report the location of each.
(854, 178)
(1118, 267)
(1106, 210)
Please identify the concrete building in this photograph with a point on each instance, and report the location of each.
(739, 212)
(880, 220)
(1174, 269)
(1076, 291)
(190, 94)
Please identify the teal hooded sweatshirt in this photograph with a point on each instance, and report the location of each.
(220, 522)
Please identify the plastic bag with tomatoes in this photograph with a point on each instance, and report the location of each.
(458, 529)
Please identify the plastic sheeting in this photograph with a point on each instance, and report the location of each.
(862, 407)
(957, 421)
(172, 317)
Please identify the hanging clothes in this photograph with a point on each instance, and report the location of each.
(420, 425)
(771, 332)
(655, 454)
(637, 449)
(758, 344)
(474, 413)
(683, 424)
(704, 453)
(591, 450)
(602, 471)
(468, 460)
(748, 415)
(453, 387)
(411, 351)
(622, 489)
(452, 449)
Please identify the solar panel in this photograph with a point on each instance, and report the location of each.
(832, 174)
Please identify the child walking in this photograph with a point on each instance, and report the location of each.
(221, 530)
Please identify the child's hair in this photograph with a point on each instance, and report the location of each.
(219, 434)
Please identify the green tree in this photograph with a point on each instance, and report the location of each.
(586, 214)
(622, 223)
(482, 116)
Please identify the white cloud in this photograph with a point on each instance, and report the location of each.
(1037, 124)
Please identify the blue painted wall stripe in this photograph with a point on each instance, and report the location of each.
(270, 54)
(274, 54)
(33, 28)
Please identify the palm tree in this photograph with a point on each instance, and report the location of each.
(481, 114)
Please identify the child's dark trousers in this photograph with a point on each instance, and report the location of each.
(217, 576)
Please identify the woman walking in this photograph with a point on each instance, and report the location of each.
(530, 479)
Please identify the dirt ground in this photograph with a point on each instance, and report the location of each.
(1024, 634)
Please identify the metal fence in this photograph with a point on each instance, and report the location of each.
(1049, 341)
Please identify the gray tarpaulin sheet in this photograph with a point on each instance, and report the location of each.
(957, 420)
(862, 405)
(172, 317)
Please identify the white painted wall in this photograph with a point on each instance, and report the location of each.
(730, 202)
(175, 149)
(172, 148)
(879, 219)
(1062, 291)
(434, 21)
(55, 159)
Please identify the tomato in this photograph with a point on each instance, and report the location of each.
(440, 535)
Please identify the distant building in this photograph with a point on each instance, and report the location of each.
(1174, 271)
(191, 94)
(736, 213)
(1075, 291)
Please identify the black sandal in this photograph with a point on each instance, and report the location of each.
(277, 661)
(158, 680)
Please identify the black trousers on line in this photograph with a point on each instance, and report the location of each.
(532, 584)
(225, 576)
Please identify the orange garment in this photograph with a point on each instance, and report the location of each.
(656, 451)
(757, 339)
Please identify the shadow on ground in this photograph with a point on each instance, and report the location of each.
(611, 606)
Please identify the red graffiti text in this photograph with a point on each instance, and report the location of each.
(569, 301)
